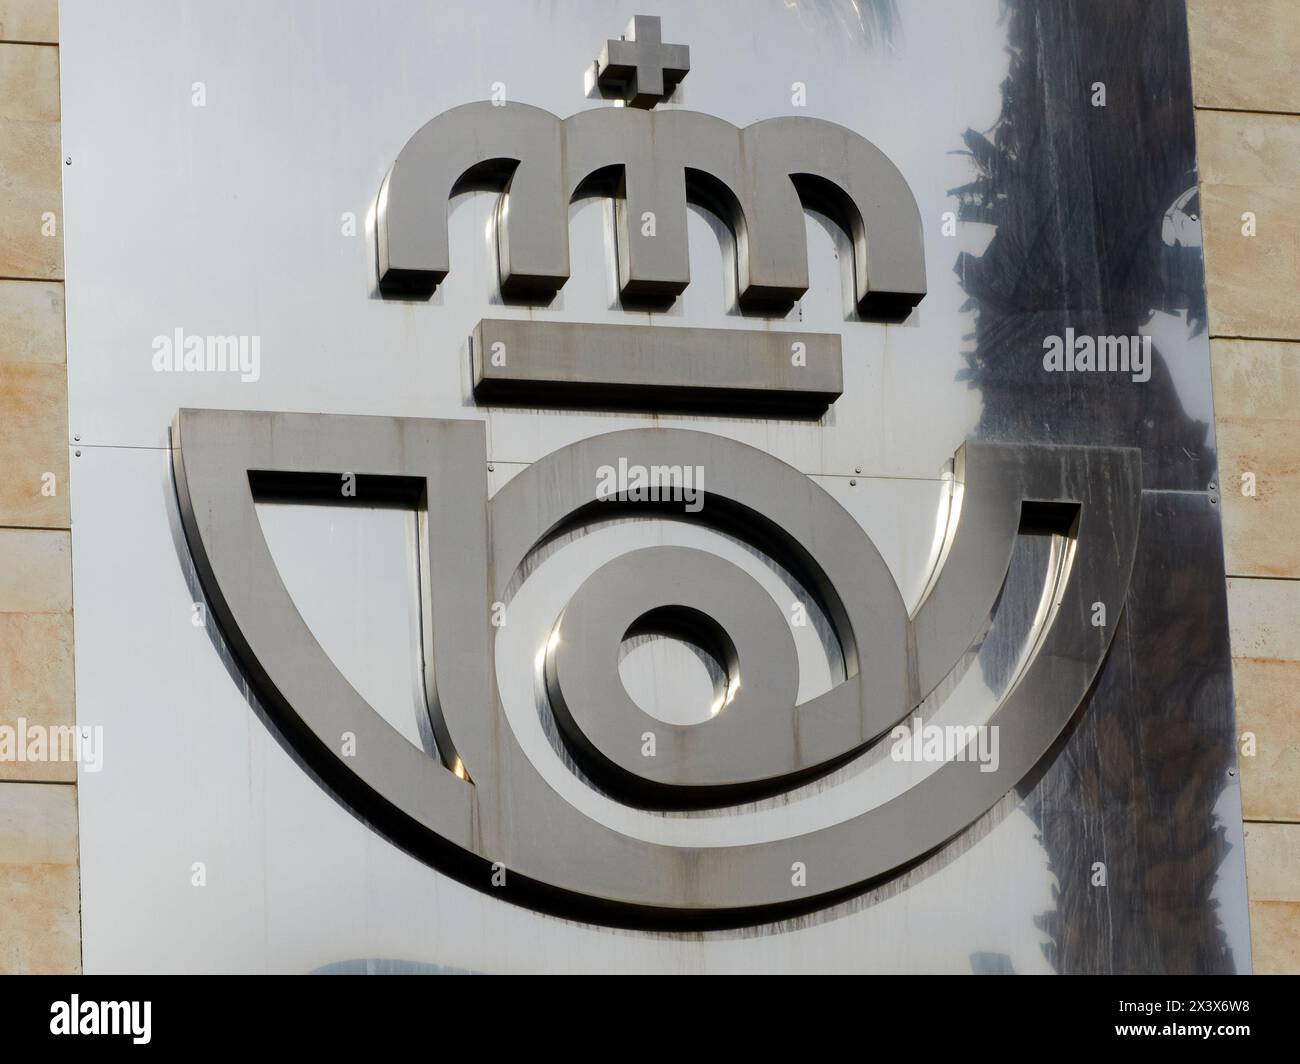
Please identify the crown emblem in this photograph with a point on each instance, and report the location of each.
(757, 179)
(653, 163)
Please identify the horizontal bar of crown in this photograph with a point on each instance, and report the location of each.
(652, 367)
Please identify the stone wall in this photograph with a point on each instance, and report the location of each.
(1246, 84)
(40, 897)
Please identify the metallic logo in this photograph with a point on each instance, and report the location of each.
(758, 180)
(481, 810)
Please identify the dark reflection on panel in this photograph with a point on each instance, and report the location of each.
(1135, 783)
(1097, 231)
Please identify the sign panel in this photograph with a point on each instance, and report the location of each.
(709, 498)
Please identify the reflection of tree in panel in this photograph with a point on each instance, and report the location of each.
(1095, 230)
(866, 22)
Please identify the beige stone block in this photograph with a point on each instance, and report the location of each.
(1256, 379)
(38, 824)
(31, 322)
(36, 690)
(1259, 531)
(1273, 878)
(1268, 711)
(35, 571)
(1264, 616)
(1273, 861)
(29, 20)
(29, 82)
(1257, 415)
(1275, 937)
(34, 441)
(1264, 620)
(1244, 54)
(40, 897)
(1240, 148)
(1251, 281)
(30, 189)
(1251, 163)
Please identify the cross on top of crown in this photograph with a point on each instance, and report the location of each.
(639, 66)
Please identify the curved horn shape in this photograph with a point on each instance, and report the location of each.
(556, 858)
